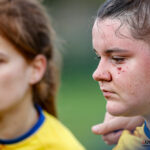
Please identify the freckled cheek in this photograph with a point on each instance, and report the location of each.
(127, 85)
(121, 70)
(122, 78)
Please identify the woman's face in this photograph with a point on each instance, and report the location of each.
(123, 71)
(15, 76)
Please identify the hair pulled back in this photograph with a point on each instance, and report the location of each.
(134, 13)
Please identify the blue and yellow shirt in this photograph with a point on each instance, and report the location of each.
(139, 139)
(47, 134)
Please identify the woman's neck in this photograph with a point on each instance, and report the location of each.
(17, 120)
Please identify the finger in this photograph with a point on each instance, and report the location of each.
(112, 138)
(109, 126)
(136, 121)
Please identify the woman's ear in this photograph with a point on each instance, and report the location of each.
(38, 66)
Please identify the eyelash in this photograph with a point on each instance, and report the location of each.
(98, 57)
(118, 59)
(115, 59)
(2, 61)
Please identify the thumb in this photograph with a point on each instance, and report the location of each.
(101, 129)
(107, 127)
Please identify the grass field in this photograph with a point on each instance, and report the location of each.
(81, 105)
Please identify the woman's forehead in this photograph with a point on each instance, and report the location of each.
(110, 34)
(111, 26)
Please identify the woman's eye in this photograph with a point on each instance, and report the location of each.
(118, 59)
(98, 57)
(2, 61)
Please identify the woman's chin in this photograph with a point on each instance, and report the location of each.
(116, 109)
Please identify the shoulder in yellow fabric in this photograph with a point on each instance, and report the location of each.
(133, 141)
(51, 135)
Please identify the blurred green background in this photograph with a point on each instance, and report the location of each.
(80, 102)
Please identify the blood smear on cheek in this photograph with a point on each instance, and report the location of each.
(119, 68)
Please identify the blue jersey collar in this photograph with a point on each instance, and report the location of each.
(30, 132)
(146, 130)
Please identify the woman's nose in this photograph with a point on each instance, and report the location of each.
(102, 73)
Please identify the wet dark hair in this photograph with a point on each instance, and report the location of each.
(24, 23)
(134, 13)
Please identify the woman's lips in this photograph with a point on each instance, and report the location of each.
(107, 93)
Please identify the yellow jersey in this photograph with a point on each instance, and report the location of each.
(47, 134)
(139, 139)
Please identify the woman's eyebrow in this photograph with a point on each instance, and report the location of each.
(116, 50)
(113, 50)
